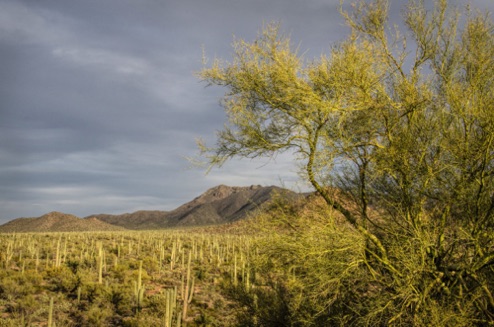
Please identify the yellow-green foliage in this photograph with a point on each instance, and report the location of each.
(395, 136)
(315, 265)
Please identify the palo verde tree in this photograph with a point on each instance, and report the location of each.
(395, 130)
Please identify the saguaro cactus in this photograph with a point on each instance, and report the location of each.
(100, 263)
(189, 288)
(139, 289)
(50, 313)
(170, 305)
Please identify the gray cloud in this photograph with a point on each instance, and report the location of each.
(99, 105)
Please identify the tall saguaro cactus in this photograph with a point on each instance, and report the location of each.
(139, 289)
(189, 288)
(100, 263)
(170, 306)
(50, 314)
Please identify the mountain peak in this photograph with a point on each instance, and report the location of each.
(222, 191)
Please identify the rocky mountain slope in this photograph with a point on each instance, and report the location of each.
(224, 204)
(220, 204)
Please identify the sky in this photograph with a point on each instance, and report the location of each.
(100, 105)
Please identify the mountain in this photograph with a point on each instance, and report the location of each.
(220, 204)
(223, 204)
(56, 222)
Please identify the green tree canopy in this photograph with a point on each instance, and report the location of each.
(395, 130)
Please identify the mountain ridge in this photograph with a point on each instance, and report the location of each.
(217, 205)
(220, 204)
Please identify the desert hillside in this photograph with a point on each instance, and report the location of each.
(56, 222)
(218, 205)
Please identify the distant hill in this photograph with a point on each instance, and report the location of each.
(56, 222)
(220, 204)
(143, 219)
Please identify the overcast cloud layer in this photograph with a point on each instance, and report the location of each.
(99, 105)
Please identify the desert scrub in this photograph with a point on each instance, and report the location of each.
(86, 271)
(305, 274)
